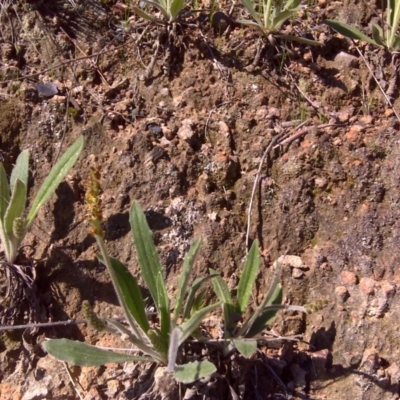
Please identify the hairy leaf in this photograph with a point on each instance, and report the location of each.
(150, 265)
(349, 31)
(185, 276)
(248, 277)
(191, 372)
(20, 170)
(245, 347)
(78, 353)
(56, 175)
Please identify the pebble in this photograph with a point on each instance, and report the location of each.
(348, 278)
(367, 285)
(342, 293)
(186, 131)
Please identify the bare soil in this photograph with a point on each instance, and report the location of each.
(185, 138)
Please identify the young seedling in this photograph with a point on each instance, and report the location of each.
(170, 10)
(14, 221)
(242, 336)
(386, 36)
(268, 16)
(159, 343)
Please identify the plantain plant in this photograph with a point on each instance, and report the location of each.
(386, 36)
(268, 16)
(170, 10)
(14, 221)
(241, 333)
(159, 343)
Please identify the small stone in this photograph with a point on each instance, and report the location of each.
(320, 182)
(345, 60)
(366, 119)
(341, 293)
(164, 92)
(292, 261)
(348, 278)
(186, 131)
(297, 273)
(367, 285)
(388, 288)
(394, 373)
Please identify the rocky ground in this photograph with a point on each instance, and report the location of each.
(182, 126)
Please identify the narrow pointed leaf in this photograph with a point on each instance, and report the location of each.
(160, 7)
(4, 192)
(251, 10)
(78, 353)
(176, 7)
(150, 265)
(131, 296)
(282, 17)
(248, 277)
(231, 314)
(192, 294)
(349, 31)
(20, 170)
(146, 16)
(188, 327)
(173, 349)
(56, 175)
(377, 34)
(266, 315)
(247, 22)
(299, 39)
(245, 347)
(198, 301)
(185, 277)
(16, 207)
(191, 372)
(221, 288)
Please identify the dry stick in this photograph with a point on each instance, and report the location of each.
(305, 130)
(41, 325)
(267, 150)
(72, 380)
(379, 85)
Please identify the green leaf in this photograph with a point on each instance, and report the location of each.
(4, 192)
(150, 265)
(248, 277)
(161, 7)
(192, 293)
(176, 7)
(221, 288)
(278, 21)
(191, 372)
(78, 353)
(298, 39)
(266, 315)
(146, 16)
(185, 276)
(349, 31)
(245, 347)
(195, 320)
(56, 175)
(20, 170)
(16, 207)
(131, 297)
(247, 22)
(251, 10)
(231, 316)
(198, 301)
(377, 34)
